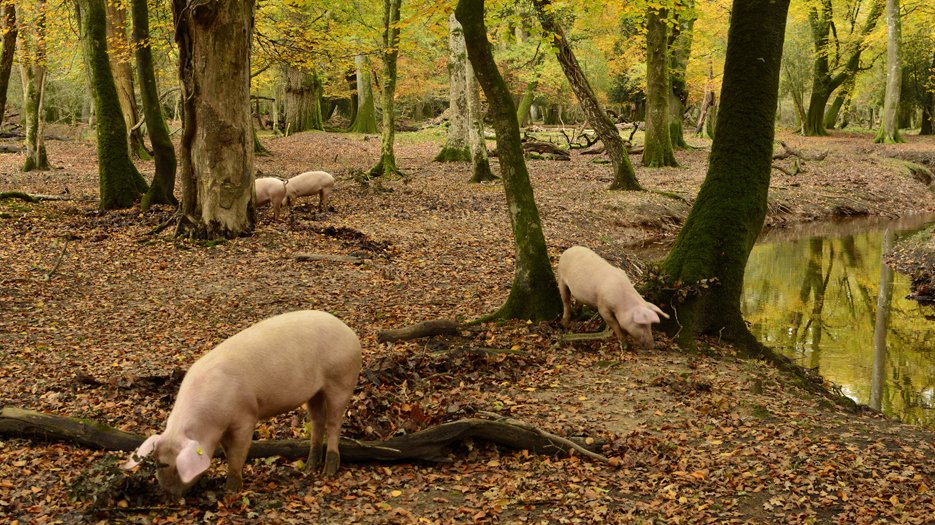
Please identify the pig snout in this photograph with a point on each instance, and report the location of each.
(307, 358)
(638, 323)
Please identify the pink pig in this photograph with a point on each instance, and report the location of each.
(310, 183)
(270, 190)
(304, 357)
(591, 280)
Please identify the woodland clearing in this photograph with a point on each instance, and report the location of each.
(94, 307)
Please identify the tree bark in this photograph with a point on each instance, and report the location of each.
(162, 189)
(889, 127)
(10, 31)
(120, 182)
(824, 81)
(32, 75)
(456, 146)
(534, 292)
(216, 150)
(657, 151)
(728, 214)
(365, 120)
(479, 158)
(301, 100)
(386, 166)
(680, 47)
(928, 108)
(123, 76)
(624, 174)
(525, 102)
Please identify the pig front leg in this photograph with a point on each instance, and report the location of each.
(608, 315)
(323, 199)
(236, 442)
(565, 292)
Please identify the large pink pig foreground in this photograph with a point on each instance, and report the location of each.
(310, 183)
(591, 280)
(267, 369)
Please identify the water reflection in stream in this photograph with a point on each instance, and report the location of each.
(815, 297)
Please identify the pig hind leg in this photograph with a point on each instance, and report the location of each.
(565, 292)
(316, 416)
(323, 199)
(236, 443)
(335, 405)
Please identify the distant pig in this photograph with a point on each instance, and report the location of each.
(303, 357)
(310, 183)
(270, 190)
(591, 280)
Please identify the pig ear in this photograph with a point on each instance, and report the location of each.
(192, 460)
(144, 450)
(645, 316)
(657, 310)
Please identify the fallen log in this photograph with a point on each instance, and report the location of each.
(33, 197)
(418, 330)
(431, 444)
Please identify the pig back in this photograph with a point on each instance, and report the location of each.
(589, 277)
(283, 361)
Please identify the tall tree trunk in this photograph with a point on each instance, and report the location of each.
(456, 145)
(889, 127)
(161, 191)
(680, 50)
(728, 214)
(387, 163)
(120, 183)
(479, 158)
(9, 29)
(525, 102)
(33, 77)
(657, 148)
(216, 150)
(928, 107)
(831, 116)
(123, 76)
(365, 120)
(534, 292)
(624, 174)
(302, 99)
(705, 125)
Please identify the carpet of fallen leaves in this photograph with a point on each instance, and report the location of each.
(97, 313)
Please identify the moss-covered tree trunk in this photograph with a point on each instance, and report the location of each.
(705, 125)
(162, 189)
(365, 120)
(928, 108)
(475, 122)
(216, 150)
(534, 293)
(624, 174)
(119, 53)
(33, 77)
(680, 47)
(302, 99)
(525, 101)
(456, 146)
(120, 182)
(387, 163)
(657, 147)
(889, 126)
(9, 29)
(728, 214)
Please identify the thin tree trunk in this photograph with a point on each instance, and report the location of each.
(365, 120)
(889, 127)
(9, 28)
(525, 102)
(624, 174)
(657, 150)
(120, 183)
(479, 158)
(33, 75)
(534, 292)
(881, 323)
(161, 191)
(456, 145)
(123, 76)
(680, 51)
(708, 107)
(728, 214)
(928, 108)
(216, 150)
(387, 163)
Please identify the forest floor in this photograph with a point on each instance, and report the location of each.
(93, 307)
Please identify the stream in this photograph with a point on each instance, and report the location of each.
(811, 293)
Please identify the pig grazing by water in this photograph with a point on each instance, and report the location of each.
(270, 190)
(591, 280)
(310, 183)
(305, 357)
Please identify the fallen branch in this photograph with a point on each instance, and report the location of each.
(430, 444)
(789, 152)
(33, 197)
(327, 257)
(48, 275)
(588, 336)
(418, 330)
